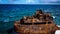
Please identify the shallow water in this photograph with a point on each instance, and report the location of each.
(11, 13)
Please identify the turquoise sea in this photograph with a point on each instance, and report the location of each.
(9, 13)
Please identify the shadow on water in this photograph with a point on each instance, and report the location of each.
(7, 28)
(11, 31)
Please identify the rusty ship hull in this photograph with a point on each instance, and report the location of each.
(41, 24)
(37, 29)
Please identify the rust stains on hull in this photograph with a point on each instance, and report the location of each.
(37, 24)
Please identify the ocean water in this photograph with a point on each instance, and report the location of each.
(9, 13)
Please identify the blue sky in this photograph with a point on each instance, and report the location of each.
(29, 1)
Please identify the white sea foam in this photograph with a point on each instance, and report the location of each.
(6, 20)
(53, 16)
(57, 32)
(58, 25)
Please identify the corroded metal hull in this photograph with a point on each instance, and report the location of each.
(36, 29)
(39, 24)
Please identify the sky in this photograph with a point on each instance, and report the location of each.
(29, 1)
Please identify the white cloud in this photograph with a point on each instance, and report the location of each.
(30, 1)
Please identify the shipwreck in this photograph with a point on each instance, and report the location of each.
(39, 23)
